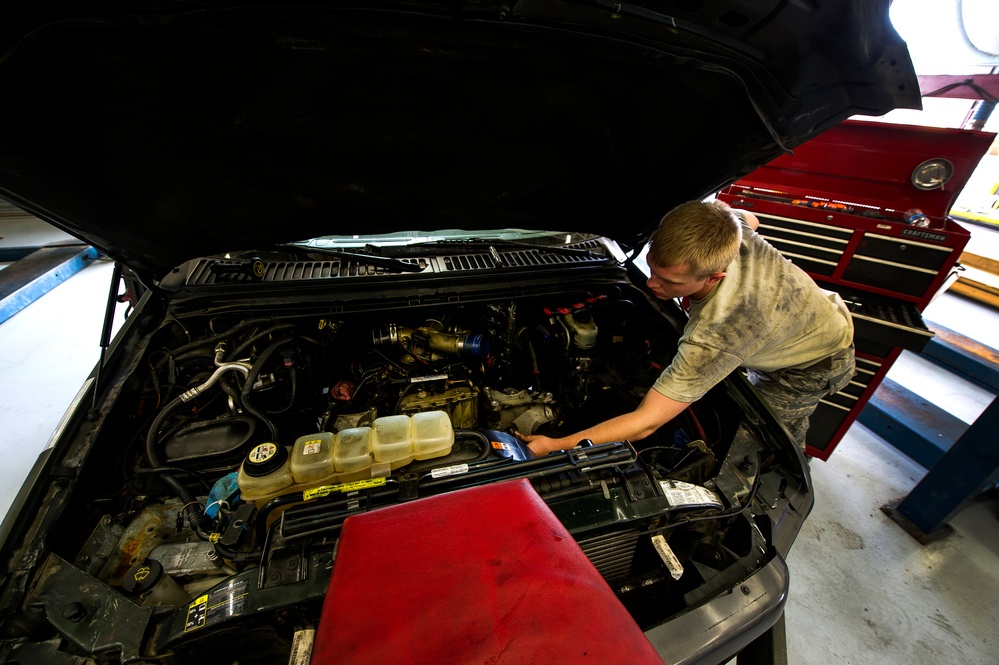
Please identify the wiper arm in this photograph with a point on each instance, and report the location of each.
(387, 262)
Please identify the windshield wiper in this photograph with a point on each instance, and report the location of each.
(387, 262)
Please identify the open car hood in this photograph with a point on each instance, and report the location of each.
(163, 131)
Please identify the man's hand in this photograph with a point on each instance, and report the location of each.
(654, 411)
(539, 445)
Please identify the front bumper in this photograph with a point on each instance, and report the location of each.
(719, 629)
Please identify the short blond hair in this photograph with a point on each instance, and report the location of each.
(705, 237)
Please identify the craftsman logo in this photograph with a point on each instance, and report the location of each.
(925, 235)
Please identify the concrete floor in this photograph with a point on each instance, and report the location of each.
(862, 590)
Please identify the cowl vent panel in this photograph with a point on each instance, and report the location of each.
(213, 271)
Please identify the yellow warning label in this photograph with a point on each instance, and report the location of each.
(197, 613)
(354, 486)
(317, 492)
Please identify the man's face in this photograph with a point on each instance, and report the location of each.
(677, 281)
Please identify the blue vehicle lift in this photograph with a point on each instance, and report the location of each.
(36, 271)
(962, 461)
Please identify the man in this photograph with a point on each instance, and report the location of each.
(749, 307)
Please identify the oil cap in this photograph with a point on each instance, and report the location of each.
(264, 459)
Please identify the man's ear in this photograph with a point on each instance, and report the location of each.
(715, 278)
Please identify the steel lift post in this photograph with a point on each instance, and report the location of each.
(964, 471)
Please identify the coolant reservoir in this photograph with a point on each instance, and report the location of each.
(353, 454)
(352, 451)
(265, 472)
(432, 434)
(391, 440)
(312, 457)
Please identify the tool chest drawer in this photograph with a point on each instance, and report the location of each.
(837, 411)
(815, 248)
(888, 275)
(812, 234)
(847, 397)
(905, 252)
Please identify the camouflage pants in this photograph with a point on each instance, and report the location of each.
(793, 394)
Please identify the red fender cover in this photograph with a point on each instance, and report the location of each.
(481, 575)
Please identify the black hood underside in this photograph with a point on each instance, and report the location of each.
(168, 131)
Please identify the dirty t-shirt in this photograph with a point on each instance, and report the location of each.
(765, 314)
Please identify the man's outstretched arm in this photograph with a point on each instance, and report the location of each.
(655, 411)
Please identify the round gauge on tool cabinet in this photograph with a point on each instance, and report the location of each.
(932, 174)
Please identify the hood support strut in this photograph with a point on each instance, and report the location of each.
(105, 335)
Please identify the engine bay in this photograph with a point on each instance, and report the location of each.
(184, 530)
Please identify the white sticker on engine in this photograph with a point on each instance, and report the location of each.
(685, 495)
(301, 647)
(449, 471)
(431, 377)
(668, 557)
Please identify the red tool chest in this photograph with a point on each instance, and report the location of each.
(836, 209)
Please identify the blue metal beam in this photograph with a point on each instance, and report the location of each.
(962, 460)
(916, 427)
(963, 472)
(28, 279)
(972, 360)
